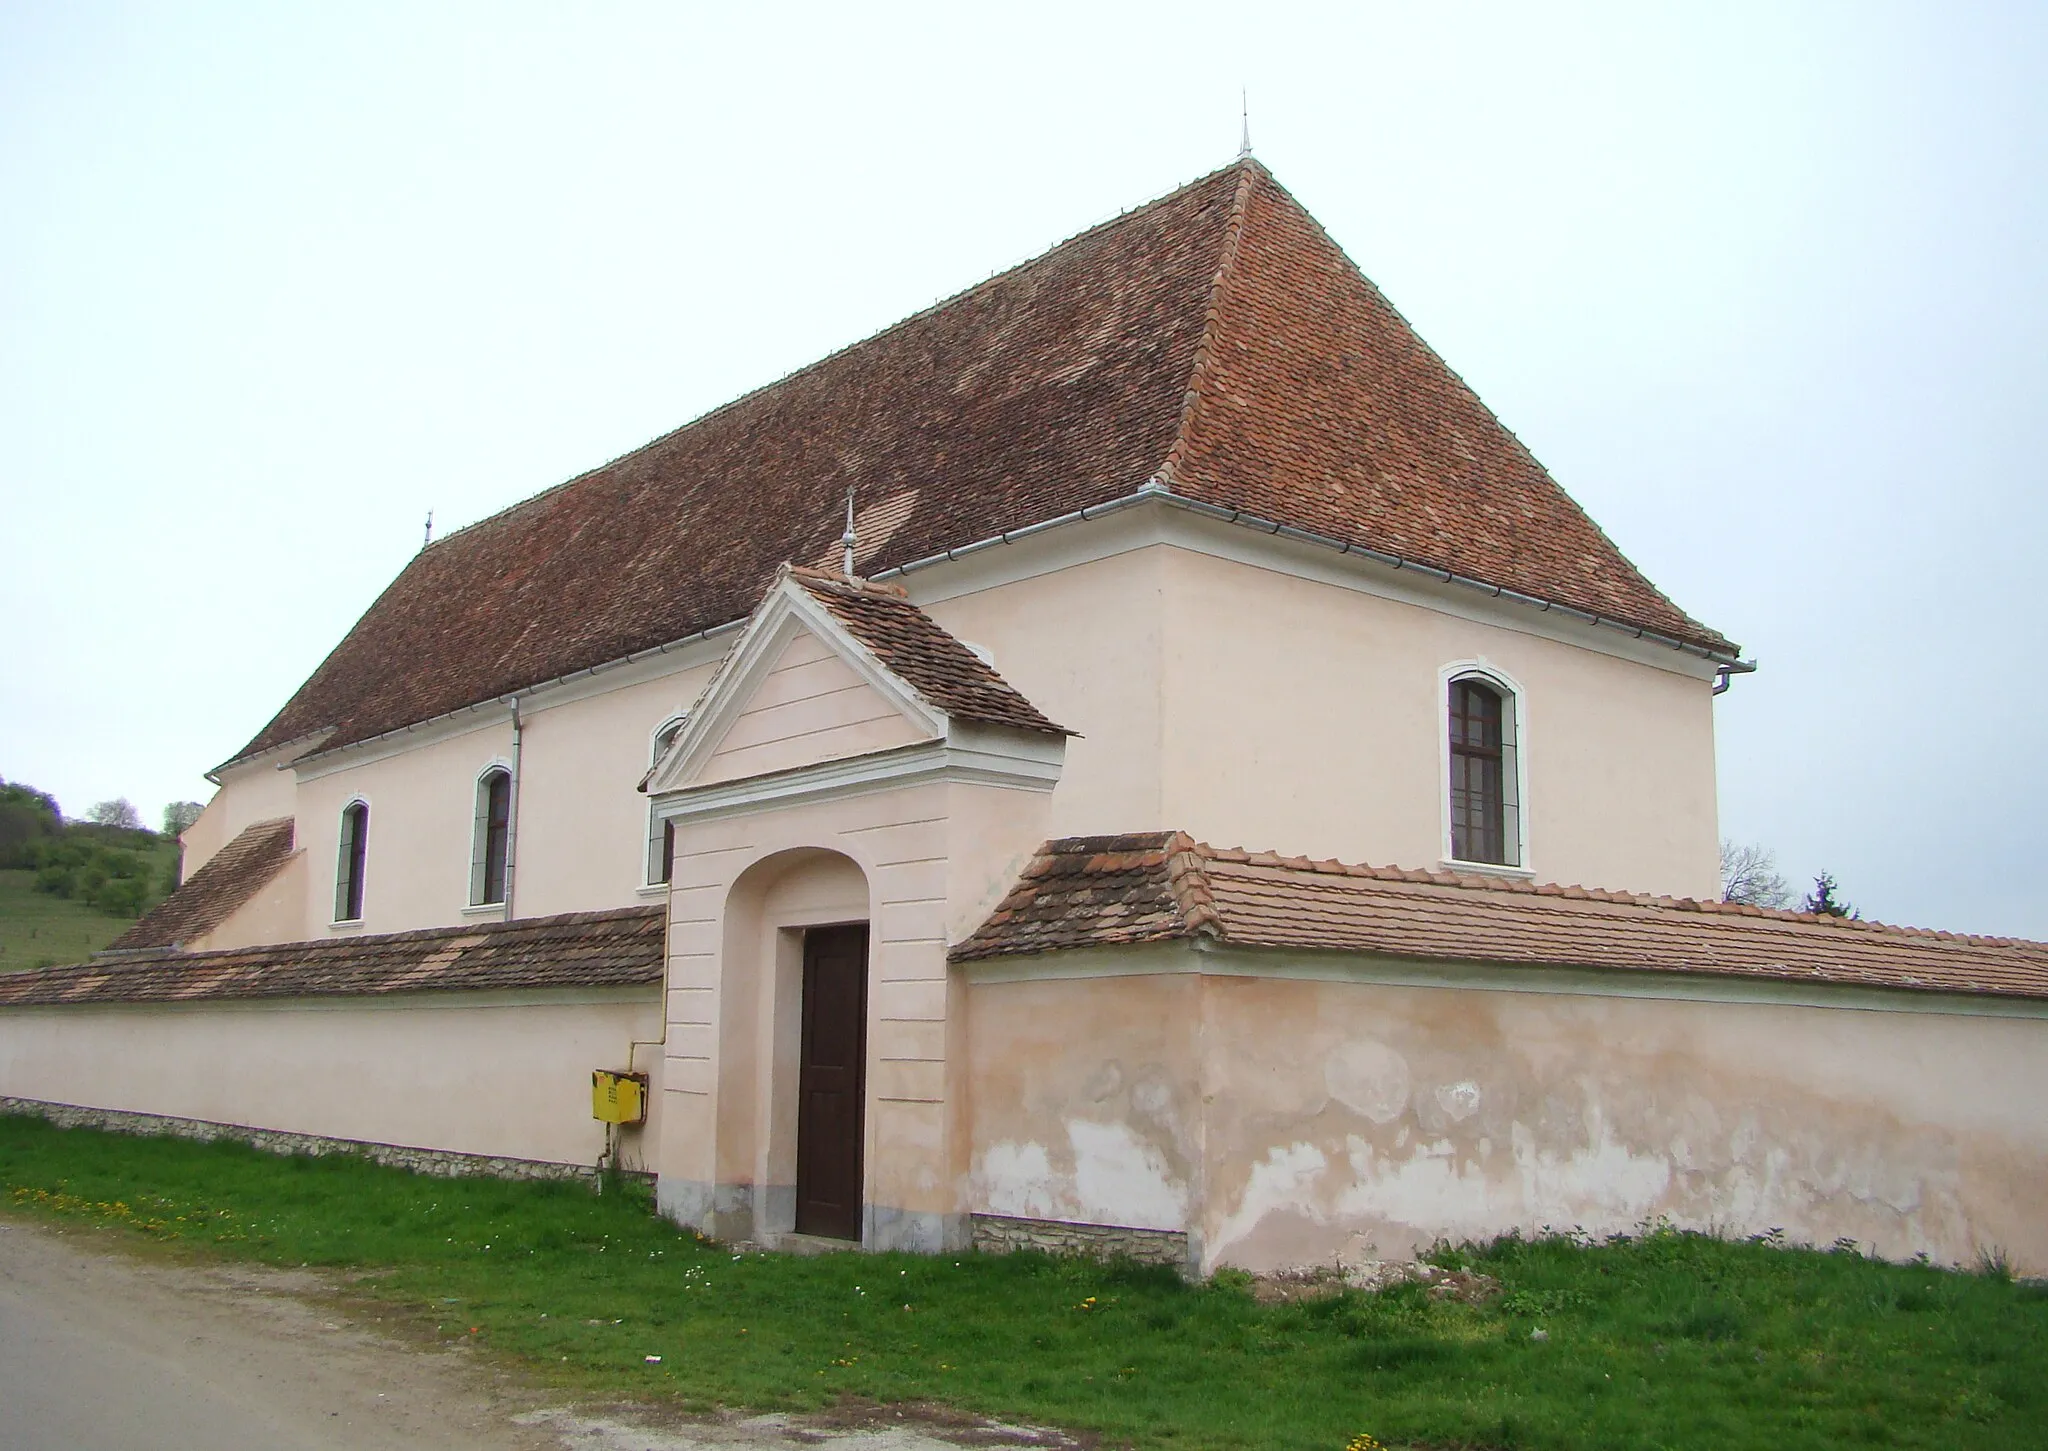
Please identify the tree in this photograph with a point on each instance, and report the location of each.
(27, 818)
(1822, 902)
(178, 815)
(117, 812)
(1749, 875)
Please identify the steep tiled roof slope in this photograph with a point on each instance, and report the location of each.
(234, 874)
(922, 653)
(1085, 891)
(1053, 386)
(581, 949)
(1065, 382)
(1315, 404)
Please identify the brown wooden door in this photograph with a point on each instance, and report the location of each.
(832, 1082)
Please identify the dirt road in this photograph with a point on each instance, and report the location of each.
(110, 1352)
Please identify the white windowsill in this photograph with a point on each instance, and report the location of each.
(652, 890)
(1487, 869)
(485, 909)
(354, 925)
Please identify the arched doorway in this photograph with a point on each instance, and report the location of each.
(789, 1115)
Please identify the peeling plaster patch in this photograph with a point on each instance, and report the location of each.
(1601, 1179)
(1368, 1078)
(1880, 1187)
(1428, 1192)
(1276, 1184)
(1121, 1179)
(1017, 1180)
(1459, 1100)
(1152, 1095)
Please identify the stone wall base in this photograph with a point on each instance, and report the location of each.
(1000, 1234)
(444, 1163)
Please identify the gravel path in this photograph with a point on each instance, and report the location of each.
(116, 1352)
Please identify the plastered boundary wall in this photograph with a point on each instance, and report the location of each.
(455, 1077)
(1285, 1109)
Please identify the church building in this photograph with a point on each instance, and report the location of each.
(1135, 758)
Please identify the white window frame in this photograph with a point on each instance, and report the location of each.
(650, 857)
(479, 840)
(1517, 700)
(363, 884)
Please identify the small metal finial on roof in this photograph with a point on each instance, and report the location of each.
(430, 530)
(847, 540)
(1244, 147)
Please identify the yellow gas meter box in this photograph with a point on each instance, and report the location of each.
(618, 1098)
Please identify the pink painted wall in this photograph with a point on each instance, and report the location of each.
(1309, 718)
(476, 1073)
(1288, 1110)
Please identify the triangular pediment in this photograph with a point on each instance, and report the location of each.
(810, 706)
(797, 689)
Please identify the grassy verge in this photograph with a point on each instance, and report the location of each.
(37, 929)
(1667, 1340)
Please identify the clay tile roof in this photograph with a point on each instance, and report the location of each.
(1215, 339)
(1083, 891)
(1088, 891)
(922, 653)
(234, 874)
(581, 949)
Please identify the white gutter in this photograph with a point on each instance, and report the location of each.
(527, 691)
(1151, 491)
(1154, 489)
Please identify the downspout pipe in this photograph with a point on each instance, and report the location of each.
(512, 808)
(1725, 675)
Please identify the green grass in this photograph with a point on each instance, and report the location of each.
(37, 929)
(1666, 1340)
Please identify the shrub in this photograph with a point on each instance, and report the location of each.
(123, 896)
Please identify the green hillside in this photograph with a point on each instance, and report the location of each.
(68, 888)
(37, 929)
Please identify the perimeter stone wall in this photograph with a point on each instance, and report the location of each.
(444, 1163)
(1000, 1234)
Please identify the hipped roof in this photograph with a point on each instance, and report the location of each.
(1216, 340)
(1162, 886)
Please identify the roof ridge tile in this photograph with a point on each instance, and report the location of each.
(1188, 879)
(1212, 316)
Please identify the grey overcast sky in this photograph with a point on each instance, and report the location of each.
(1762, 284)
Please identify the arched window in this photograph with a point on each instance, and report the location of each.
(1485, 806)
(349, 862)
(492, 837)
(661, 835)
